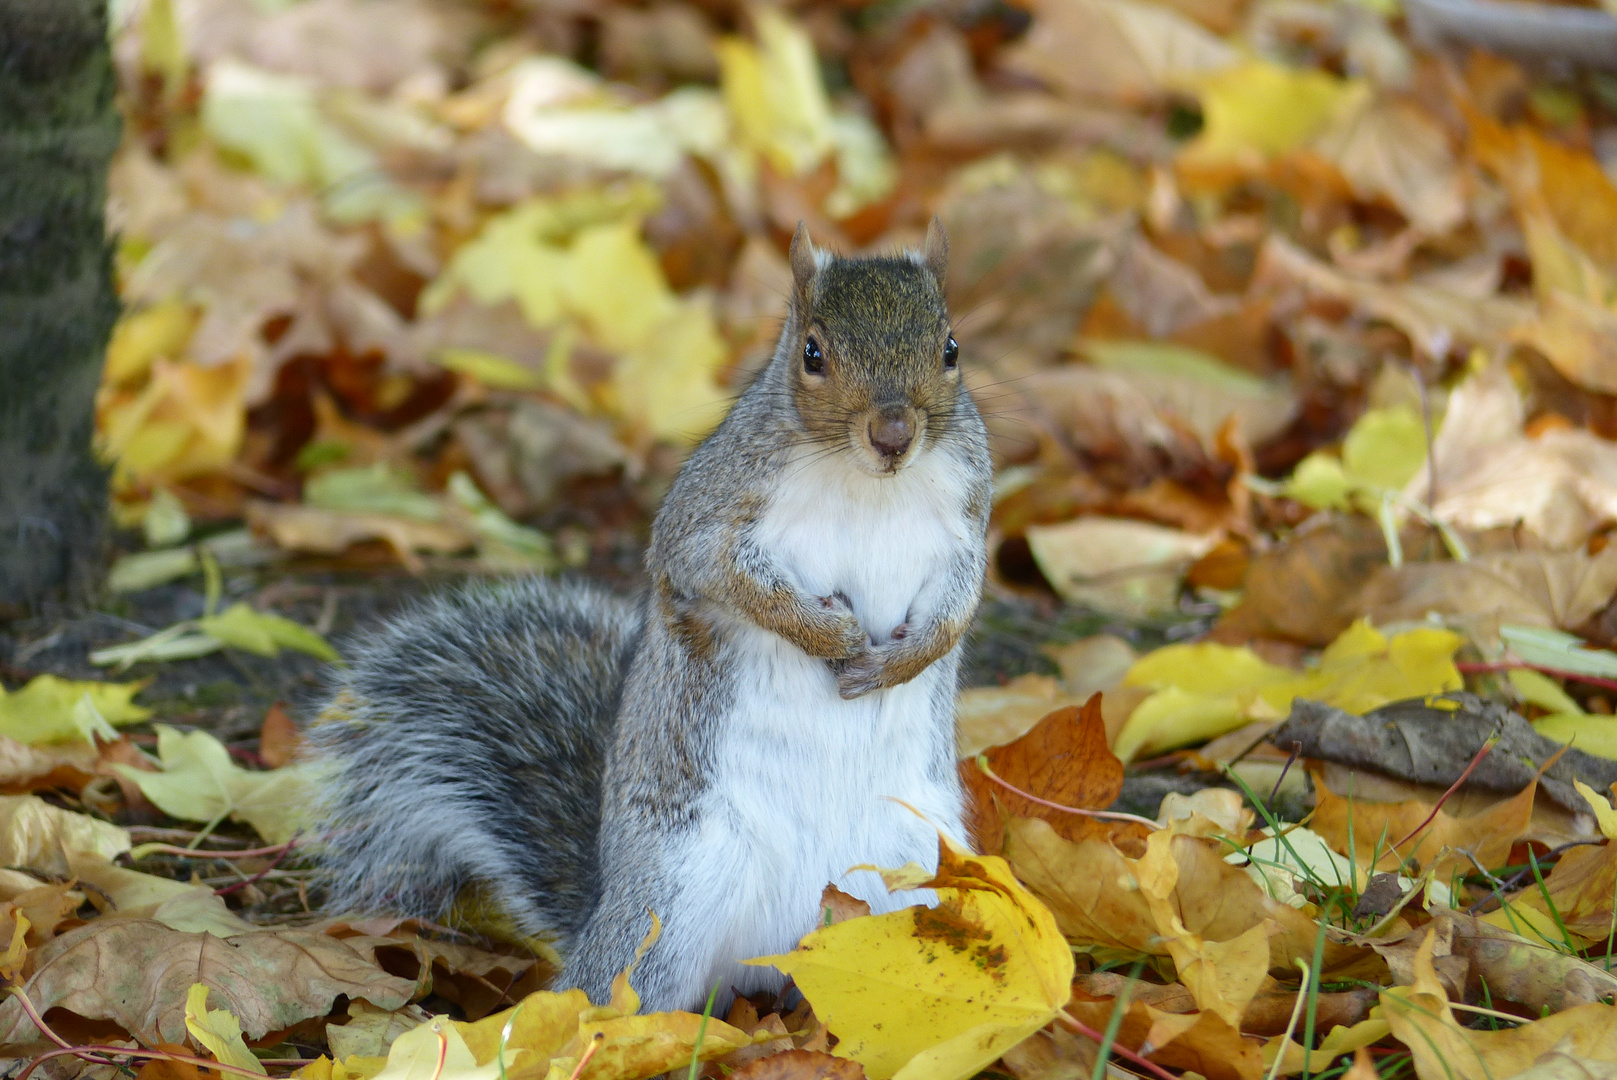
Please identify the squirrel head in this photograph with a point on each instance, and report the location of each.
(872, 365)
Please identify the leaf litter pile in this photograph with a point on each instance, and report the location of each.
(1295, 325)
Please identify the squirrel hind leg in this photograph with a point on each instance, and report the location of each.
(464, 745)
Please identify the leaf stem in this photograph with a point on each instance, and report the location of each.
(1106, 815)
(1121, 1051)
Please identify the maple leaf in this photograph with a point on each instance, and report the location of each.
(937, 992)
(199, 782)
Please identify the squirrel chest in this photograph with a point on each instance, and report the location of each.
(806, 784)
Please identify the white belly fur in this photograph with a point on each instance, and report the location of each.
(808, 785)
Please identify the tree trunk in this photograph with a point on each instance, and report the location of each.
(58, 131)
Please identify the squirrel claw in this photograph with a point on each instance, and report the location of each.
(859, 675)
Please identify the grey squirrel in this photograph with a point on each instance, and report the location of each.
(777, 709)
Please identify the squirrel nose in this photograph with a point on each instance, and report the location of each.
(891, 434)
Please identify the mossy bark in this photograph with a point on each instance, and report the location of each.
(58, 130)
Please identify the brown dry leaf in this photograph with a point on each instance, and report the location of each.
(1525, 970)
(997, 715)
(1444, 1049)
(31, 768)
(331, 532)
(1436, 320)
(1063, 759)
(1441, 845)
(1561, 486)
(1390, 149)
(279, 739)
(1307, 590)
(1114, 48)
(1088, 887)
(1559, 589)
(135, 973)
(1180, 1038)
(799, 1065)
(1583, 888)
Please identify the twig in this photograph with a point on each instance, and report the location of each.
(1472, 667)
(285, 850)
(198, 853)
(1488, 744)
(44, 1028)
(125, 1051)
(1106, 815)
(1121, 1051)
(1296, 748)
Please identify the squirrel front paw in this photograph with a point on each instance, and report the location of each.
(831, 630)
(860, 674)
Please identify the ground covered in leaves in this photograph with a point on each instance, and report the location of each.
(1289, 720)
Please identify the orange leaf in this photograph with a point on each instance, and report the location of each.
(1063, 759)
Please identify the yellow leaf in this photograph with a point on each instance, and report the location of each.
(262, 633)
(35, 833)
(219, 1031)
(1443, 1049)
(614, 284)
(938, 993)
(436, 1051)
(11, 963)
(541, 1023)
(1604, 814)
(50, 709)
(1260, 109)
(199, 782)
(142, 336)
(490, 369)
(1595, 735)
(667, 387)
(1536, 688)
(774, 92)
(1383, 450)
(1385, 447)
(1223, 976)
(1205, 690)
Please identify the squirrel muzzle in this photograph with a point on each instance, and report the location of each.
(889, 435)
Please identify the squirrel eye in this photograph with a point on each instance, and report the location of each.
(813, 358)
(951, 353)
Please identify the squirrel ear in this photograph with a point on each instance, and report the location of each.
(937, 249)
(805, 261)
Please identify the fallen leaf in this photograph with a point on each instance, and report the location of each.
(1064, 760)
(309, 529)
(1435, 741)
(1214, 900)
(799, 1065)
(1423, 1020)
(1205, 690)
(1260, 109)
(34, 833)
(199, 782)
(1389, 149)
(370, 1031)
(50, 709)
(1552, 589)
(996, 715)
(33, 767)
(1115, 48)
(938, 992)
(218, 1031)
(1384, 835)
(134, 973)
(1117, 565)
(279, 740)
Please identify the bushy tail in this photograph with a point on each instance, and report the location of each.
(465, 744)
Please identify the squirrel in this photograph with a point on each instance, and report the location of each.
(776, 709)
